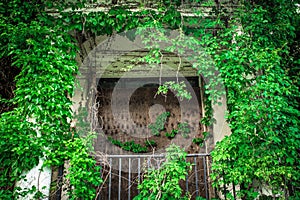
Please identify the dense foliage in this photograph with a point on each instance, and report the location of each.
(163, 183)
(44, 51)
(260, 70)
(255, 48)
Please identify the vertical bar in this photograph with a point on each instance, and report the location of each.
(109, 181)
(129, 176)
(158, 163)
(233, 186)
(59, 180)
(285, 189)
(139, 172)
(196, 177)
(208, 170)
(99, 194)
(186, 182)
(224, 185)
(205, 176)
(120, 173)
(148, 162)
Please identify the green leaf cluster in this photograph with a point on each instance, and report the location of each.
(179, 89)
(131, 145)
(256, 61)
(172, 134)
(255, 49)
(163, 183)
(41, 46)
(182, 128)
(159, 123)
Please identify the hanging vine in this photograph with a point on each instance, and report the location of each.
(258, 68)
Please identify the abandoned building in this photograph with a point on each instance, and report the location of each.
(120, 99)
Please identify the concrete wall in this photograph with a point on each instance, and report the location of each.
(109, 58)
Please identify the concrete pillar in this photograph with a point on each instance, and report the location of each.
(37, 177)
(220, 127)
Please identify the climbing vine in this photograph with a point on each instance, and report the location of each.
(159, 123)
(163, 183)
(39, 127)
(256, 53)
(255, 61)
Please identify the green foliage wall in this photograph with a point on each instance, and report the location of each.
(41, 46)
(259, 67)
(163, 183)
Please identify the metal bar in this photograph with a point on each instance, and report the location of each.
(205, 177)
(120, 174)
(197, 154)
(233, 186)
(196, 177)
(99, 194)
(210, 191)
(155, 156)
(158, 163)
(133, 10)
(109, 179)
(224, 185)
(148, 162)
(186, 182)
(129, 177)
(59, 180)
(136, 156)
(139, 172)
(148, 158)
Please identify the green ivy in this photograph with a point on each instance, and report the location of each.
(255, 49)
(184, 129)
(172, 134)
(130, 145)
(255, 62)
(159, 123)
(16, 145)
(198, 141)
(163, 183)
(45, 52)
(150, 143)
(178, 88)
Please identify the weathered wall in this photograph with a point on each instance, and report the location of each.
(220, 128)
(113, 63)
(144, 107)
